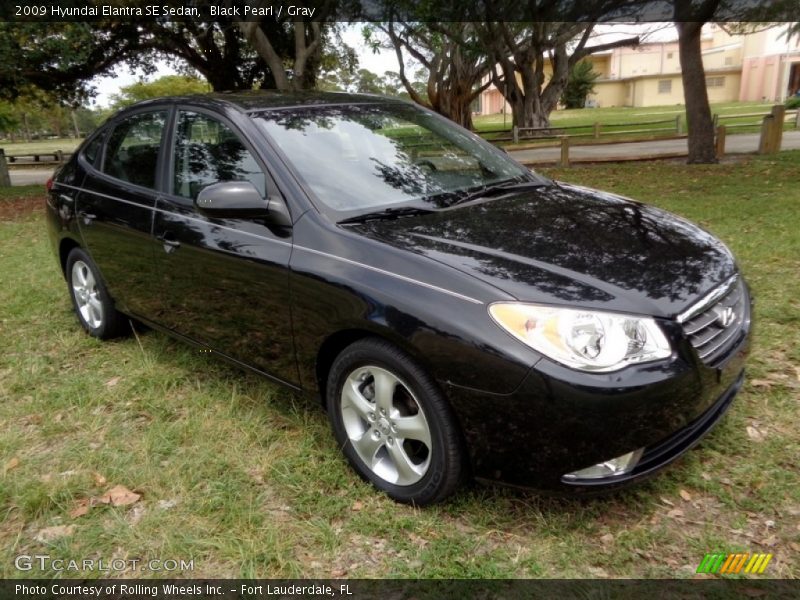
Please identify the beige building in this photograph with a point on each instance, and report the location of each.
(764, 65)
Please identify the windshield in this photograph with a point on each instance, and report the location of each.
(370, 157)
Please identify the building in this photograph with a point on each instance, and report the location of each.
(759, 66)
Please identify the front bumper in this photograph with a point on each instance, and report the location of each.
(559, 421)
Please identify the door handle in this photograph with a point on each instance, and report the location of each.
(169, 244)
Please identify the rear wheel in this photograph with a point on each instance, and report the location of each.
(393, 424)
(90, 300)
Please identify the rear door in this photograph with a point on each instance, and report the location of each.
(115, 208)
(222, 282)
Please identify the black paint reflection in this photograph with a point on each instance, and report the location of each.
(567, 244)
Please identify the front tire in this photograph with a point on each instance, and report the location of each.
(90, 300)
(393, 424)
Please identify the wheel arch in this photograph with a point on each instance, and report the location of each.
(65, 246)
(336, 342)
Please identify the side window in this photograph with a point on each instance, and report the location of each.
(206, 152)
(132, 149)
(92, 149)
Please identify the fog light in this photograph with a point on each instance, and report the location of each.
(616, 466)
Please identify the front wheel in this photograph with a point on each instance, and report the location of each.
(93, 306)
(393, 424)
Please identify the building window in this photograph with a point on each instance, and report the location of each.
(669, 55)
(715, 82)
(665, 86)
(728, 61)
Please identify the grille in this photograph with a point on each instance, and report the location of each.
(715, 328)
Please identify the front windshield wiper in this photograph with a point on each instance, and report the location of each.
(387, 213)
(501, 187)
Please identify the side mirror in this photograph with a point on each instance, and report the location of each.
(241, 200)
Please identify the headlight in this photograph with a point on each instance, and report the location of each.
(583, 339)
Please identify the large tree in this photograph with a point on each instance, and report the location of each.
(522, 54)
(689, 20)
(452, 59)
(61, 57)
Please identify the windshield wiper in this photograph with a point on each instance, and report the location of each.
(387, 213)
(493, 189)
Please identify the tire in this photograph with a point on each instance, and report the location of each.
(376, 393)
(90, 300)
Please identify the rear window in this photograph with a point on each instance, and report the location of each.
(132, 148)
(92, 149)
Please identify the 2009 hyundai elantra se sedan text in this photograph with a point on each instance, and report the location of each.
(457, 314)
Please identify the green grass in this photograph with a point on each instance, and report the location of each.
(21, 191)
(245, 479)
(620, 119)
(40, 146)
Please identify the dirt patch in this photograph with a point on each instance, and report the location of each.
(13, 209)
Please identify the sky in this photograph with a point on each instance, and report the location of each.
(376, 62)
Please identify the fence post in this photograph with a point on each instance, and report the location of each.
(564, 162)
(797, 119)
(720, 145)
(716, 120)
(779, 114)
(596, 130)
(515, 134)
(5, 178)
(59, 157)
(766, 130)
(678, 124)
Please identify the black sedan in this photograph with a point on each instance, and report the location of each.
(457, 314)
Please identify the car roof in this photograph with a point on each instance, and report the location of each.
(255, 101)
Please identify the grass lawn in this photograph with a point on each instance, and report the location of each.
(621, 114)
(245, 479)
(623, 119)
(40, 146)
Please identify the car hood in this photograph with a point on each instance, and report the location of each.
(565, 244)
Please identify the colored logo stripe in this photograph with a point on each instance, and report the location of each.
(734, 563)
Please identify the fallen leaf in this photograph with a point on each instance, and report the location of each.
(754, 434)
(357, 505)
(794, 546)
(765, 383)
(769, 523)
(667, 502)
(113, 381)
(119, 495)
(11, 464)
(685, 495)
(607, 539)
(48, 534)
(770, 541)
(675, 512)
(338, 573)
(136, 513)
(166, 504)
(598, 572)
(98, 479)
(705, 476)
(797, 373)
(81, 508)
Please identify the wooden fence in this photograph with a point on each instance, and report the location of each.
(674, 126)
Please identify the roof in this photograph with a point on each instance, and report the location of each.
(257, 100)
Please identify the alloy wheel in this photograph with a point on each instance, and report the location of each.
(386, 425)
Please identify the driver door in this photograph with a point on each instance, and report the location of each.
(224, 283)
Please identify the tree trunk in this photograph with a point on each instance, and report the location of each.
(698, 111)
(75, 125)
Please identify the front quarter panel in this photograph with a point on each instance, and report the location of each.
(342, 281)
